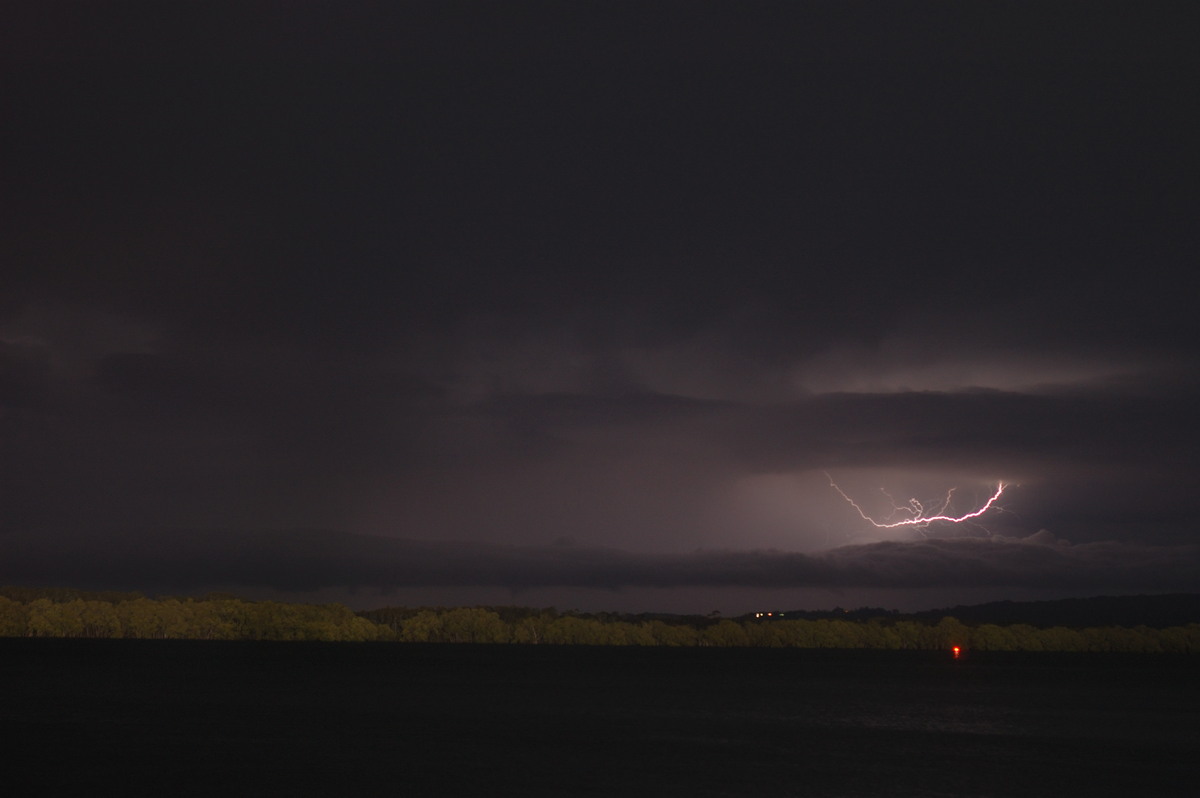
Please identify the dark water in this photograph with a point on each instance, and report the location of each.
(179, 718)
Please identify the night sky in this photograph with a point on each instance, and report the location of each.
(577, 304)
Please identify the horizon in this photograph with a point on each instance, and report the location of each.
(1049, 610)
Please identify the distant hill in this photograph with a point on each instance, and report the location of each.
(1158, 612)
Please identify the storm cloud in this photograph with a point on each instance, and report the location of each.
(314, 560)
(501, 311)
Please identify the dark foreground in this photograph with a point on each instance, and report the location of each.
(190, 718)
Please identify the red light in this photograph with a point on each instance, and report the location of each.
(956, 650)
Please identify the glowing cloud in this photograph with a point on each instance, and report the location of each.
(914, 514)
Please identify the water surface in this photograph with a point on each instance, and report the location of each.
(196, 718)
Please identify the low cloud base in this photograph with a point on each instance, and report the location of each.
(313, 561)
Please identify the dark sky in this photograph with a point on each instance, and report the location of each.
(577, 304)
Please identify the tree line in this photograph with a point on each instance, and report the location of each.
(523, 625)
(211, 618)
(61, 612)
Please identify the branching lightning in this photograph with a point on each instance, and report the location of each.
(913, 513)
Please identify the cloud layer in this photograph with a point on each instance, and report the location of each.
(310, 561)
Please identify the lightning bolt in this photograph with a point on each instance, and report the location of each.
(913, 512)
